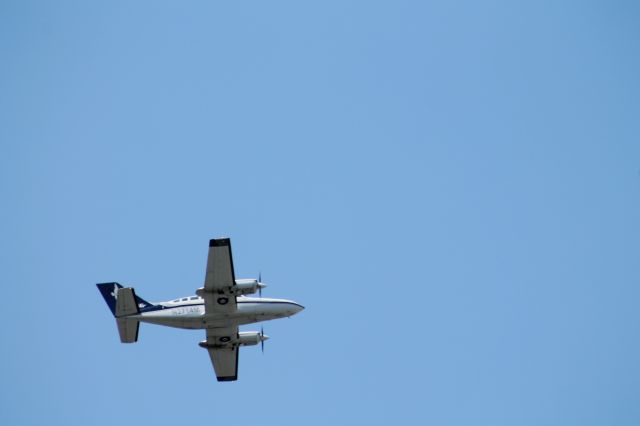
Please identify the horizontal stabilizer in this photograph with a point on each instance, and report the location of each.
(128, 329)
(126, 303)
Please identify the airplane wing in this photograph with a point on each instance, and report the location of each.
(224, 356)
(220, 278)
(219, 298)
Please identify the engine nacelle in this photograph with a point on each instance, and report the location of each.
(248, 286)
(250, 338)
(243, 286)
(245, 338)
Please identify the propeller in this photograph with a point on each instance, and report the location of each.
(262, 339)
(260, 285)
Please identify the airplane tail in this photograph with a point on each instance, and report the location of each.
(110, 293)
(123, 302)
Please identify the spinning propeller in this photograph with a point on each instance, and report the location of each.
(260, 285)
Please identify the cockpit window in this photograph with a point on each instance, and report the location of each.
(176, 301)
(184, 299)
(193, 298)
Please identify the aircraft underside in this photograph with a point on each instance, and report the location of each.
(194, 317)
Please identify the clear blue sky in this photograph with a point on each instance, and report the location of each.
(452, 189)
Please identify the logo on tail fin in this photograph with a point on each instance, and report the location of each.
(110, 293)
(114, 293)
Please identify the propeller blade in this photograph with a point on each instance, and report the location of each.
(262, 339)
(259, 284)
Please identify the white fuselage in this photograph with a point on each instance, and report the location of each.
(188, 312)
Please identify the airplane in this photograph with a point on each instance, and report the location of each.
(219, 307)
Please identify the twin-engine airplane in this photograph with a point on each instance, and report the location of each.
(219, 307)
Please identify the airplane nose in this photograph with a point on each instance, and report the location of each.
(297, 308)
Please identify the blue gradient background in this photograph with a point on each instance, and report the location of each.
(452, 189)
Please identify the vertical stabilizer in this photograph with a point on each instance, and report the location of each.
(110, 292)
(123, 302)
